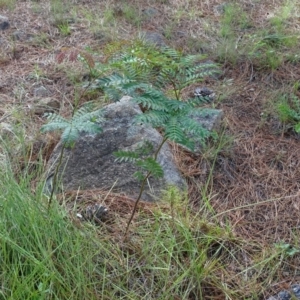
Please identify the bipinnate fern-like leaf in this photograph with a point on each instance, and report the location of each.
(171, 53)
(85, 115)
(153, 118)
(148, 164)
(83, 120)
(289, 110)
(126, 156)
(139, 175)
(160, 67)
(174, 131)
(294, 108)
(145, 148)
(115, 86)
(152, 166)
(112, 80)
(176, 106)
(149, 102)
(297, 128)
(69, 136)
(284, 111)
(154, 92)
(195, 130)
(146, 77)
(56, 122)
(172, 69)
(190, 60)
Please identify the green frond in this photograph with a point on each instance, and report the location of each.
(195, 130)
(154, 93)
(139, 175)
(117, 80)
(54, 117)
(297, 128)
(143, 73)
(126, 156)
(88, 127)
(198, 100)
(69, 136)
(296, 104)
(197, 77)
(203, 112)
(115, 86)
(101, 82)
(189, 125)
(56, 122)
(83, 120)
(82, 111)
(96, 116)
(172, 131)
(113, 80)
(134, 88)
(143, 89)
(284, 111)
(175, 105)
(132, 72)
(55, 125)
(153, 117)
(170, 72)
(151, 165)
(175, 131)
(197, 74)
(190, 60)
(146, 148)
(140, 62)
(151, 103)
(84, 115)
(188, 142)
(171, 52)
(287, 113)
(113, 94)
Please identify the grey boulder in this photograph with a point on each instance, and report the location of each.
(91, 164)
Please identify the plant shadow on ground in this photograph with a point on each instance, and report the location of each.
(244, 198)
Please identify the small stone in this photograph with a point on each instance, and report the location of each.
(150, 12)
(204, 91)
(102, 37)
(46, 105)
(284, 295)
(220, 9)
(3, 18)
(21, 36)
(17, 35)
(180, 34)
(41, 92)
(296, 290)
(154, 38)
(97, 213)
(4, 25)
